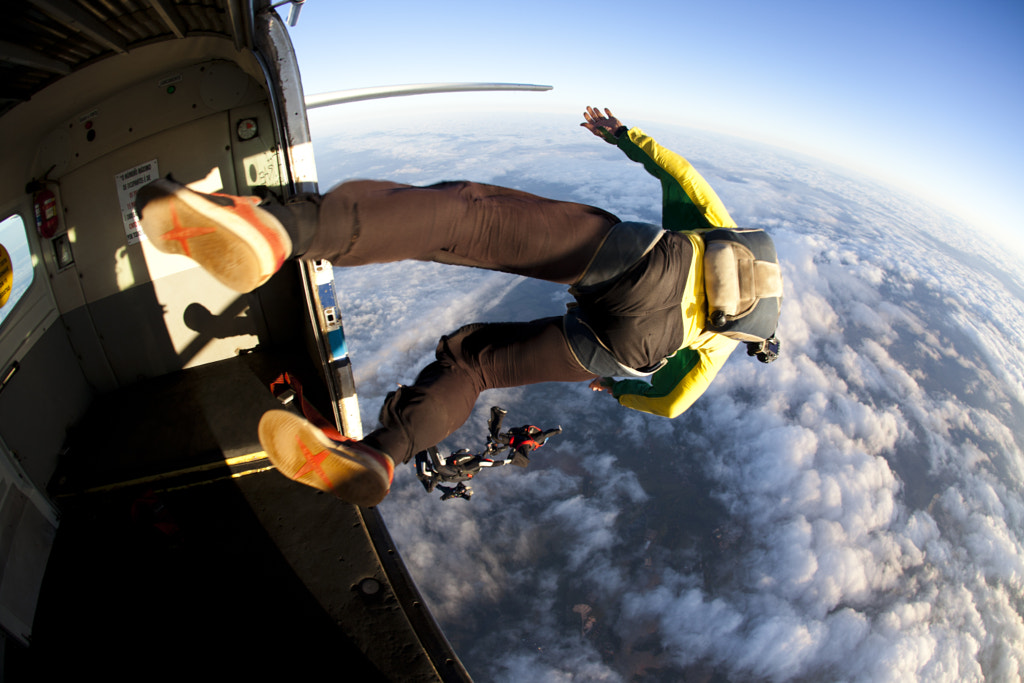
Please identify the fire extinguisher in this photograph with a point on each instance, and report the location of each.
(45, 203)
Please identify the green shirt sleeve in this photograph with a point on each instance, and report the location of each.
(663, 381)
(688, 202)
(675, 387)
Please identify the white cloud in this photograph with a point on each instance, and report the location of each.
(852, 512)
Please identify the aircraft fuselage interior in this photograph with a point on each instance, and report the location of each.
(138, 514)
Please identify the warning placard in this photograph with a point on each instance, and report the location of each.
(128, 183)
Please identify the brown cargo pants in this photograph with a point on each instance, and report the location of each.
(471, 224)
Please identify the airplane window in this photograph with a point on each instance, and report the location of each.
(16, 270)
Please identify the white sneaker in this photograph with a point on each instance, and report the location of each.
(232, 238)
(349, 469)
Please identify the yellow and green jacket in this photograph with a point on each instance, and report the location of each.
(689, 206)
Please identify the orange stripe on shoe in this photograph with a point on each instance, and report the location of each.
(389, 465)
(384, 460)
(246, 208)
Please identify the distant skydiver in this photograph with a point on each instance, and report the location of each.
(669, 304)
(434, 470)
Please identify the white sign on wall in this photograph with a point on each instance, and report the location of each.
(128, 184)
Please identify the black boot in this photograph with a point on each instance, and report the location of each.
(300, 216)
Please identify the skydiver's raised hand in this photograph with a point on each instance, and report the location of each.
(603, 126)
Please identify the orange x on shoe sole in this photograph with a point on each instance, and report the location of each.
(232, 238)
(350, 470)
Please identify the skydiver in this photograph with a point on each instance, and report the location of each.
(640, 308)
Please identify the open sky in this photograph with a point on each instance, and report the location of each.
(853, 512)
(928, 96)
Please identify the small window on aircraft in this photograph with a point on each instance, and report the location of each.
(16, 270)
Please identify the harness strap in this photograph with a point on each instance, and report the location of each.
(625, 245)
(308, 409)
(595, 356)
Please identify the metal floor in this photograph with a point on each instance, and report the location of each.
(167, 565)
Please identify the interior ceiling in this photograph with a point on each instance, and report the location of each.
(42, 41)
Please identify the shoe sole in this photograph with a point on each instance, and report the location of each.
(240, 254)
(302, 453)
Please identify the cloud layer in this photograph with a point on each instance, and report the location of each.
(852, 512)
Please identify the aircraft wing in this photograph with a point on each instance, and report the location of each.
(358, 94)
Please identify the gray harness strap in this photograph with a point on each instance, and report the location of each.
(592, 354)
(624, 246)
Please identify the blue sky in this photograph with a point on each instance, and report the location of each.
(927, 96)
(867, 519)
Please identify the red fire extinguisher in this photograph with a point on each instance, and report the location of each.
(45, 204)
